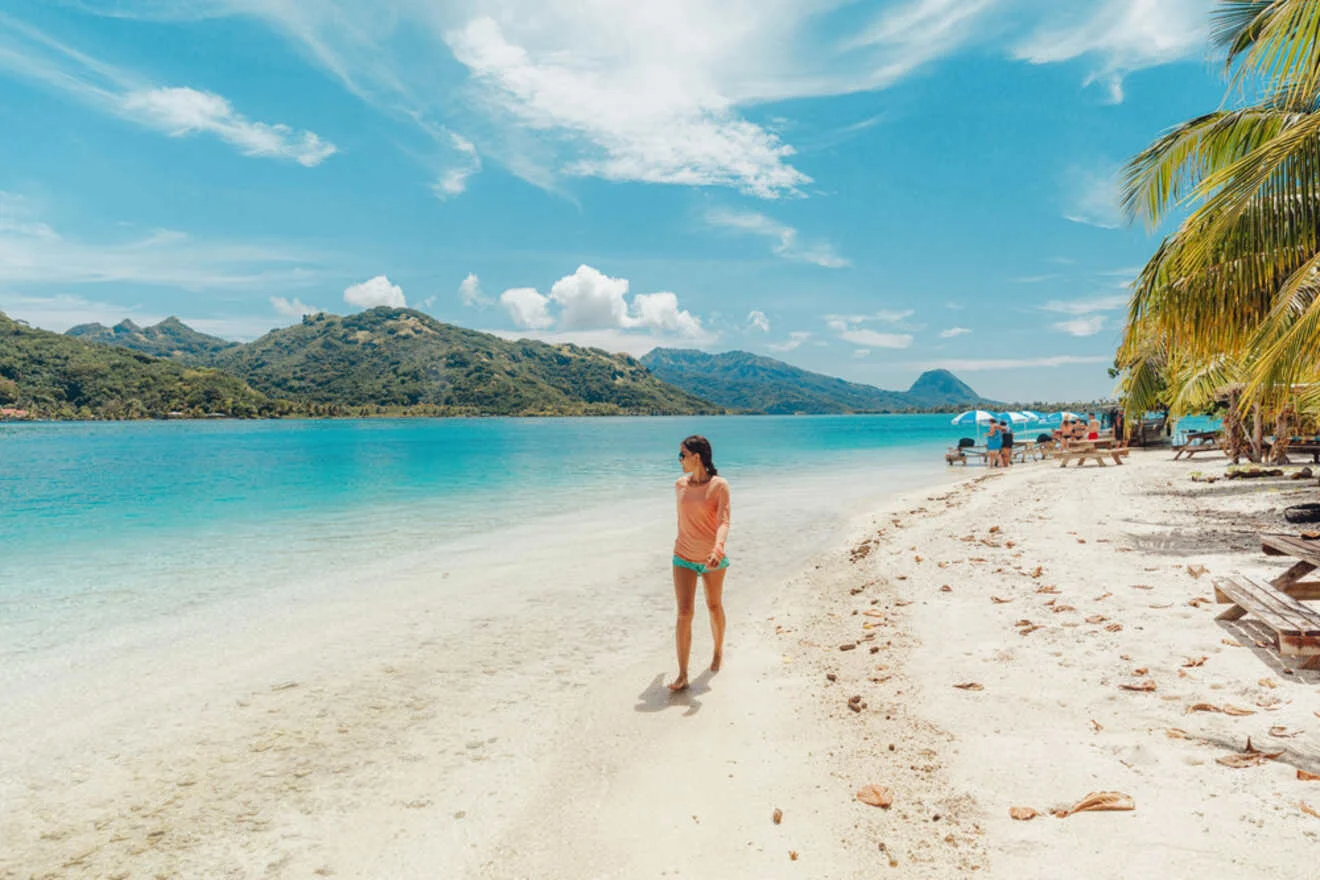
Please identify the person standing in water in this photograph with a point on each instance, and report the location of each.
(703, 527)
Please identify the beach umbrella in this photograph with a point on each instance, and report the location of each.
(1056, 418)
(1014, 418)
(972, 417)
(1032, 415)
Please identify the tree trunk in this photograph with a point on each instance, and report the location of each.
(1282, 431)
(1234, 439)
(1257, 434)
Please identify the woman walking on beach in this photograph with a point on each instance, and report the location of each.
(703, 526)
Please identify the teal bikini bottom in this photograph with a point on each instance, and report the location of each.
(699, 567)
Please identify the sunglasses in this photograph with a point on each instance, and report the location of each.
(682, 455)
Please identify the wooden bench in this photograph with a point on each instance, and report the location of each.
(1081, 455)
(1304, 448)
(1200, 441)
(1296, 627)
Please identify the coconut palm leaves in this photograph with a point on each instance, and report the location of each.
(1233, 295)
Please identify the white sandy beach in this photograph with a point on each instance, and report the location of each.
(398, 732)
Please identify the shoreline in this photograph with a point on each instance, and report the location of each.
(515, 748)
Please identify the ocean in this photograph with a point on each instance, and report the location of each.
(105, 526)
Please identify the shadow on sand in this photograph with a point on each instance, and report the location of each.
(658, 698)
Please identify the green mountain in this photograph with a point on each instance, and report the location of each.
(740, 380)
(942, 388)
(403, 358)
(170, 338)
(54, 376)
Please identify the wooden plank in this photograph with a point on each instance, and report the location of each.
(1281, 612)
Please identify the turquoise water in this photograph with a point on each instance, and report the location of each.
(120, 521)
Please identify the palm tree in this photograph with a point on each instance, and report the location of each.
(1237, 283)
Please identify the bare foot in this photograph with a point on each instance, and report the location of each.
(679, 684)
(715, 663)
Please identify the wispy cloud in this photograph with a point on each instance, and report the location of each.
(1102, 303)
(757, 320)
(1090, 196)
(1082, 326)
(174, 111)
(785, 241)
(1033, 279)
(794, 341)
(954, 332)
(873, 339)
(1120, 36)
(975, 365)
(292, 308)
(32, 251)
(453, 181)
(470, 292)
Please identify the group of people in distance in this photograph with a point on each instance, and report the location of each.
(1073, 430)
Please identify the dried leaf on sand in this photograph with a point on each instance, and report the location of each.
(1248, 757)
(1282, 732)
(1232, 643)
(1000, 600)
(1197, 570)
(1307, 777)
(876, 796)
(1099, 801)
(1308, 809)
(777, 816)
(1096, 618)
(1114, 627)
(1022, 814)
(1143, 685)
(970, 686)
(1194, 661)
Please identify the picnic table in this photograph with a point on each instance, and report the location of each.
(1303, 446)
(1278, 603)
(1080, 450)
(1199, 441)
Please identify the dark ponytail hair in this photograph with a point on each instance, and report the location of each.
(701, 446)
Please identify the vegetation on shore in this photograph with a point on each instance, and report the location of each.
(1226, 315)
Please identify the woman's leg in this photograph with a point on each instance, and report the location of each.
(685, 591)
(713, 581)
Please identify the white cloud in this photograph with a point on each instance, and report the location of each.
(183, 111)
(470, 292)
(660, 312)
(785, 238)
(377, 291)
(589, 300)
(292, 308)
(176, 111)
(876, 340)
(843, 323)
(1082, 326)
(953, 332)
(795, 340)
(1120, 35)
(528, 308)
(649, 121)
(453, 180)
(1102, 303)
(756, 320)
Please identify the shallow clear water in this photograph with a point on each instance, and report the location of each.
(105, 523)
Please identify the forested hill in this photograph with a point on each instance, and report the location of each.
(48, 375)
(745, 381)
(404, 358)
(170, 338)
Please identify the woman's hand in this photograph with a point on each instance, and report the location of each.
(715, 557)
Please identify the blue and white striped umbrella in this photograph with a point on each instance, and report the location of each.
(973, 417)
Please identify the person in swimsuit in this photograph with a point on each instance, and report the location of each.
(1006, 453)
(994, 444)
(703, 526)
(1092, 427)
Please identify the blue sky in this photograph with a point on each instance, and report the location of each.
(866, 189)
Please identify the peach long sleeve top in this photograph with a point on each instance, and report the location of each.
(703, 517)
